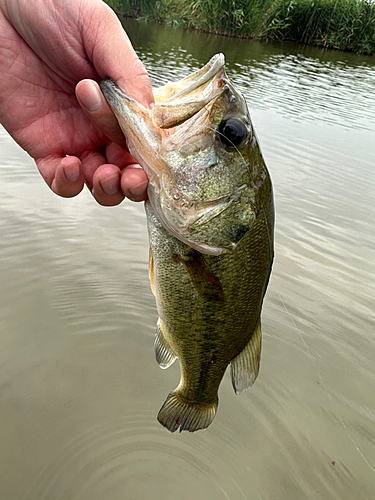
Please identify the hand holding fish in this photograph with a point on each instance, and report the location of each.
(51, 53)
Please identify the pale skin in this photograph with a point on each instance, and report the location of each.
(52, 54)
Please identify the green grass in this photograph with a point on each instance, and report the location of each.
(339, 24)
(231, 17)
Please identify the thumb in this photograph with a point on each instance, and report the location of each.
(112, 55)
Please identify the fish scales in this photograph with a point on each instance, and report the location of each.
(210, 220)
(202, 324)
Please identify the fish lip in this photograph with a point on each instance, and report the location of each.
(115, 96)
(216, 63)
(176, 102)
(191, 82)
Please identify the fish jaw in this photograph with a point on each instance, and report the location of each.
(145, 129)
(176, 102)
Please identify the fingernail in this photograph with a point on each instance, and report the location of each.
(110, 185)
(139, 189)
(72, 172)
(91, 98)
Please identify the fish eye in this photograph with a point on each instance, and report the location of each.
(232, 132)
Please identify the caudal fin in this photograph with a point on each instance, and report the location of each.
(178, 412)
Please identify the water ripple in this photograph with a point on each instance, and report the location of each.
(307, 88)
(115, 456)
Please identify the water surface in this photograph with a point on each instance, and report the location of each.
(79, 387)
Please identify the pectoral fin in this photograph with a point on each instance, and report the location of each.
(204, 281)
(245, 366)
(163, 353)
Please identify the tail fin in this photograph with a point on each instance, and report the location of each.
(178, 412)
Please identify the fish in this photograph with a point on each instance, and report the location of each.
(210, 218)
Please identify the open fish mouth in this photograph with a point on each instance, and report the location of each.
(183, 145)
(177, 102)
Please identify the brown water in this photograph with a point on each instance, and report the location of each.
(79, 386)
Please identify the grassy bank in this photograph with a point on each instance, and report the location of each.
(339, 24)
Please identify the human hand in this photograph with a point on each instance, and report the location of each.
(47, 47)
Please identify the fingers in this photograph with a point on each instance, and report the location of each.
(102, 179)
(110, 185)
(111, 182)
(63, 175)
(98, 111)
(134, 182)
(108, 182)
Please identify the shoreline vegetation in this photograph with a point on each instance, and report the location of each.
(347, 25)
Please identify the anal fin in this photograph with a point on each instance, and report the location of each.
(245, 366)
(163, 353)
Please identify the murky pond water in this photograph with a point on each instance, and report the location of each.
(79, 386)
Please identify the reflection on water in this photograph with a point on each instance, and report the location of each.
(79, 387)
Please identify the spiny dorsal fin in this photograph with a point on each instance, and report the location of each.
(245, 366)
(163, 353)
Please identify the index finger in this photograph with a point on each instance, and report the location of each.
(112, 54)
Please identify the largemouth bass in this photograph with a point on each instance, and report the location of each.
(210, 220)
